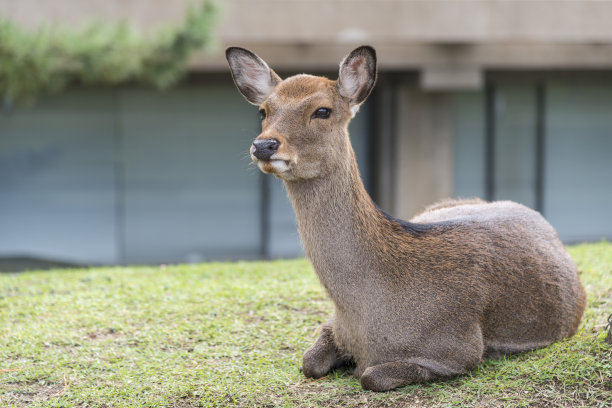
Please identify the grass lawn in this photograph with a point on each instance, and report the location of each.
(232, 334)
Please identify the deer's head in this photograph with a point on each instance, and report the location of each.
(304, 118)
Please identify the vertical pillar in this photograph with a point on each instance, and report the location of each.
(383, 142)
(423, 150)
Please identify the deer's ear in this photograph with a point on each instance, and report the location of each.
(357, 75)
(252, 76)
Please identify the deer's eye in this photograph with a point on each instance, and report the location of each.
(321, 113)
(262, 114)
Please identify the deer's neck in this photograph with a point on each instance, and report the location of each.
(340, 228)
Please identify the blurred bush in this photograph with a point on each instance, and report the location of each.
(50, 58)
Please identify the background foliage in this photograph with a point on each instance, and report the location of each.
(50, 58)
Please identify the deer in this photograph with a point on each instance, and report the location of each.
(414, 301)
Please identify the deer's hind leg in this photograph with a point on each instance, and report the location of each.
(323, 356)
(387, 376)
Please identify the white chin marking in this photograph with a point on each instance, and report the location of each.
(279, 166)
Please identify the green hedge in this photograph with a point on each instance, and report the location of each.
(50, 58)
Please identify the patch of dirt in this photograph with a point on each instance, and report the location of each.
(184, 403)
(560, 395)
(24, 394)
(110, 333)
(316, 393)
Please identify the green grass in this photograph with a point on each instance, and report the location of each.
(232, 334)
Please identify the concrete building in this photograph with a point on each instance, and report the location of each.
(499, 99)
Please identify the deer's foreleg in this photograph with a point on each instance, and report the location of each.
(323, 356)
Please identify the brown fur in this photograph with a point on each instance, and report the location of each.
(413, 302)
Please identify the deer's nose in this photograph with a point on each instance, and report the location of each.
(264, 149)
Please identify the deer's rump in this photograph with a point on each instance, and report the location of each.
(528, 285)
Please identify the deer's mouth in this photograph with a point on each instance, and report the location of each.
(275, 166)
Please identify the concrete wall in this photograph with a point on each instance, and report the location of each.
(319, 21)
(439, 37)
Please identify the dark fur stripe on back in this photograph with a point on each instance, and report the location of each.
(417, 229)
